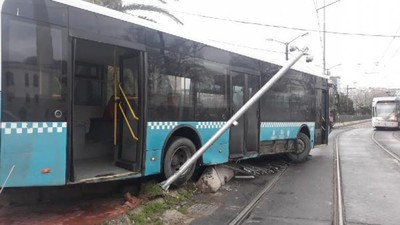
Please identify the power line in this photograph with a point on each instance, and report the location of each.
(319, 24)
(263, 49)
(390, 43)
(395, 53)
(286, 27)
(244, 46)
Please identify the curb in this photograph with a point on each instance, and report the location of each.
(344, 124)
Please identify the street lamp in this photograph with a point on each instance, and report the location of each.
(287, 43)
(327, 70)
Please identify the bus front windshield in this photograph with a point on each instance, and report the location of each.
(386, 110)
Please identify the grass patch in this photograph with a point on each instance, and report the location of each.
(151, 211)
(152, 190)
(150, 214)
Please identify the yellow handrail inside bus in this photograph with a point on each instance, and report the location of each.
(127, 102)
(127, 122)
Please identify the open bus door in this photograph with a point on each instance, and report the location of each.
(106, 124)
(244, 136)
(322, 117)
(126, 120)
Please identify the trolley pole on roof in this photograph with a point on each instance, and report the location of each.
(232, 121)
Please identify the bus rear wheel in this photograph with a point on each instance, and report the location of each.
(178, 152)
(302, 148)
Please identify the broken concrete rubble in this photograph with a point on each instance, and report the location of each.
(213, 178)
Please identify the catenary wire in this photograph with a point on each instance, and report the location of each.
(286, 27)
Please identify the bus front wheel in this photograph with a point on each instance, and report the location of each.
(178, 152)
(301, 150)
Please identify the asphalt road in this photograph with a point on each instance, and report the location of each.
(371, 178)
(304, 195)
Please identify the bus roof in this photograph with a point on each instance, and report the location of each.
(177, 32)
(385, 99)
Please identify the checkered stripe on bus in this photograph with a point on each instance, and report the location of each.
(172, 125)
(209, 125)
(33, 127)
(162, 125)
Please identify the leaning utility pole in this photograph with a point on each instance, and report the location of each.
(233, 120)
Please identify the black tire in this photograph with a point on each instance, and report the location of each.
(302, 147)
(178, 152)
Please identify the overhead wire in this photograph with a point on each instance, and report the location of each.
(319, 24)
(382, 60)
(378, 35)
(286, 27)
(319, 27)
(390, 43)
(244, 46)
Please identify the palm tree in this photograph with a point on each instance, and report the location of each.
(117, 5)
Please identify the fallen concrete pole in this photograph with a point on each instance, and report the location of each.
(165, 184)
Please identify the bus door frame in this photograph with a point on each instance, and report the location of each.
(322, 114)
(242, 142)
(75, 35)
(139, 132)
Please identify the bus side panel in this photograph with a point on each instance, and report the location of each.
(37, 151)
(270, 131)
(219, 151)
(158, 132)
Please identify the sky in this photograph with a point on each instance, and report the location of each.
(362, 43)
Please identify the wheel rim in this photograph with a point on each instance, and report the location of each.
(301, 146)
(180, 156)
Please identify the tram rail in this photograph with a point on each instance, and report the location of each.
(396, 135)
(388, 151)
(253, 203)
(338, 216)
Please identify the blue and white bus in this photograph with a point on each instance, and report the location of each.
(89, 94)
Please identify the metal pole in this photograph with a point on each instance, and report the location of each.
(165, 184)
(324, 44)
(347, 99)
(5, 182)
(287, 51)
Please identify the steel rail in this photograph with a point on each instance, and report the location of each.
(393, 155)
(249, 207)
(395, 136)
(338, 208)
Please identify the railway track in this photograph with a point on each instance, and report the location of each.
(388, 151)
(338, 217)
(338, 205)
(339, 212)
(253, 203)
(396, 135)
